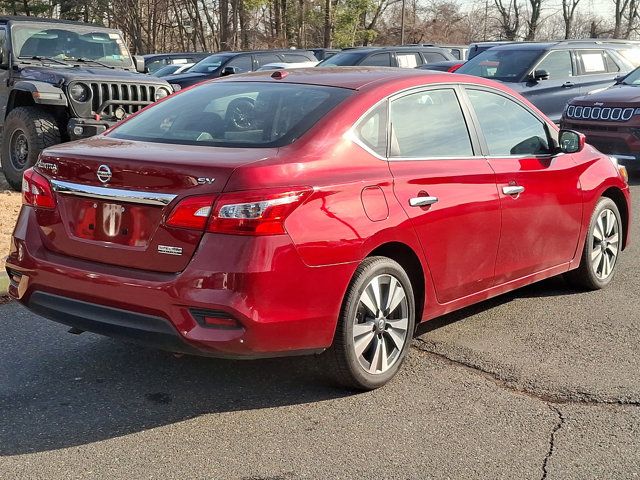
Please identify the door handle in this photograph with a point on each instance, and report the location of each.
(568, 85)
(422, 201)
(513, 190)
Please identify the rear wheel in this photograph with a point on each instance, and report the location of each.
(601, 248)
(375, 327)
(27, 131)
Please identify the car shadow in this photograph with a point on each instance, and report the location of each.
(59, 390)
(74, 390)
(552, 287)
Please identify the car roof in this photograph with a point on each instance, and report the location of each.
(586, 43)
(357, 78)
(412, 48)
(24, 18)
(174, 54)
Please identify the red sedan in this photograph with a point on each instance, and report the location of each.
(323, 209)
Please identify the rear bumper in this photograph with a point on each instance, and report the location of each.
(282, 306)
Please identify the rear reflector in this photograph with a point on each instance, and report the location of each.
(36, 190)
(214, 319)
(192, 212)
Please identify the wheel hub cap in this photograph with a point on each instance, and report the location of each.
(381, 324)
(605, 244)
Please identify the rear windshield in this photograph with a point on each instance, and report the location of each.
(504, 65)
(234, 114)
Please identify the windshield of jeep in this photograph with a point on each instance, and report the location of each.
(632, 79)
(67, 43)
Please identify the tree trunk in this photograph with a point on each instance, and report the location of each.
(328, 25)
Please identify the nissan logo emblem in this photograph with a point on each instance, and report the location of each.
(104, 173)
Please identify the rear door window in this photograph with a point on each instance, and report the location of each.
(558, 64)
(377, 60)
(429, 124)
(295, 58)
(592, 62)
(408, 59)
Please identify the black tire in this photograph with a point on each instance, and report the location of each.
(586, 276)
(33, 126)
(240, 114)
(341, 360)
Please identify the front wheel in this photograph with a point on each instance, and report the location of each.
(27, 131)
(601, 248)
(375, 327)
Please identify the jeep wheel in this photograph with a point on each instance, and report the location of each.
(27, 131)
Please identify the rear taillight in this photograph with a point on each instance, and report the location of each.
(36, 190)
(192, 212)
(256, 213)
(241, 213)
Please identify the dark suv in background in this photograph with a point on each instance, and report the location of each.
(610, 119)
(408, 57)
(551, 74)
(227, 63)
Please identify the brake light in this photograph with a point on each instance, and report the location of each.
(192, 212)
(454, 67)
(36, 190)
(256, 213)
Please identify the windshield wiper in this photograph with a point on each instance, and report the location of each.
(44, 59)
(89, 60)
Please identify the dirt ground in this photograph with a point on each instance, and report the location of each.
(10, 202)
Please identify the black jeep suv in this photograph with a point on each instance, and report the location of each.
(60, 81)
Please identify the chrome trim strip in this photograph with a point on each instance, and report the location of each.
(112, 194)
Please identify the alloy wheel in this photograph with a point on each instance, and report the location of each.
(381, 324)
(605, 244)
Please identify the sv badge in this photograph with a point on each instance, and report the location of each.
(205, 180)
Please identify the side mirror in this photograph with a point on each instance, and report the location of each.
(538, 75)
(138, 60)
(571, 141)
(619, 79)
(226, 71)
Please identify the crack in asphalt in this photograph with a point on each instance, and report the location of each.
(552, 440)
(510, 382)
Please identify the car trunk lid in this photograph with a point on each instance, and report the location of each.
(114, 196)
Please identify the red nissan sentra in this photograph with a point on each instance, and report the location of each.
(322, 209)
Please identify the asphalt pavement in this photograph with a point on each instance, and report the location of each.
(541, 383)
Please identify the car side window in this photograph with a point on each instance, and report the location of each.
(429, 124)
(371, 130)
(408, 59)
(265, 58)
(431, 57)
(557, 64)
(243, 63)
(612, 66)
(592, 62)
(377, 60)
(295, 58)
(508, 128)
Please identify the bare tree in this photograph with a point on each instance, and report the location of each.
(619, 13)
(534, 19)
(568, 14)
(509, 18)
